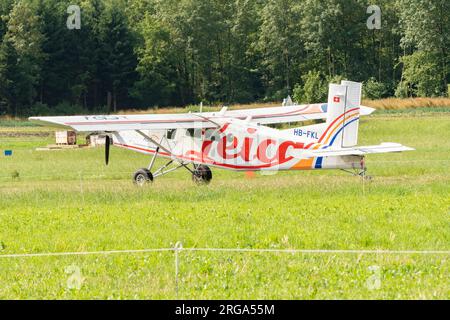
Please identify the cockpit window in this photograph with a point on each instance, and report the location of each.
(171, 133)
(190, 132)
(194, 133)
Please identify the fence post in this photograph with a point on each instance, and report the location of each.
(178, 247)
(81, 185)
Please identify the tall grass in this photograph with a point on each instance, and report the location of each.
(410, 103)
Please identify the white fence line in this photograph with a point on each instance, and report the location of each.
(82, 253)
(321, 251)
(179, 248)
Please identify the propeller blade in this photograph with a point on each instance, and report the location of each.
(107, 147)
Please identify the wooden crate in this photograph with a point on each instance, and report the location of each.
(66, 138)
(95, 140)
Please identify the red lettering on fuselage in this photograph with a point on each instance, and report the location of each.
(232, 151)
(245, 151)
(282, 150)
(206, 147)
(261, 152)
(223, 147)
(229, 147)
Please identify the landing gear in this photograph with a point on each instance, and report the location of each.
(364, 176)
(360, 171)
(201, 175)
(142, 177)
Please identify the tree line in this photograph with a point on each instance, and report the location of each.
(150, 53)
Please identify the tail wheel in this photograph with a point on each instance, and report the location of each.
(202, 175)
(142, 177)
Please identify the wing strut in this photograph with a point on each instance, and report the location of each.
(150, 167)
(159, 145)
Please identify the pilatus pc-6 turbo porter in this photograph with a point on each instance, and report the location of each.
(240, 139)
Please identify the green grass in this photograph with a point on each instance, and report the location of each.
(8, 123)
(69, 201)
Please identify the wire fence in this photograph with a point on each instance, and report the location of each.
(178, 248)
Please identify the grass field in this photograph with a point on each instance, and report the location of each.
(64, 201)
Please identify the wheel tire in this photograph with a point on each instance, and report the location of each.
(202, 175)
(142, 177)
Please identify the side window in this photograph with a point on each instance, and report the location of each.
(171, 133)
(198, 133)
(194, 133)
(212, 135)
(190, 132)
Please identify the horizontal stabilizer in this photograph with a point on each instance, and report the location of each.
(365, 111)
(358, 151)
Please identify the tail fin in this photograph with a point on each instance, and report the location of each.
(344, 102)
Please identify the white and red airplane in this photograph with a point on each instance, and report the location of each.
(240, 139)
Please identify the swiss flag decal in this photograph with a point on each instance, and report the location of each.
(336, 99)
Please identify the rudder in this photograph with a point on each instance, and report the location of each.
(344, 102)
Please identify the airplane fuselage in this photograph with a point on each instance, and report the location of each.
(239, 146)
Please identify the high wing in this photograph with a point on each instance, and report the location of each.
(269, 115)
(358, 151)
(126, 122)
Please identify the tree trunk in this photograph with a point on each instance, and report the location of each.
(115, 101)
(108, 101)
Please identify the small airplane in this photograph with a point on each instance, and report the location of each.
(240, 140)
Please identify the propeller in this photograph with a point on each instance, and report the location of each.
(107, 147)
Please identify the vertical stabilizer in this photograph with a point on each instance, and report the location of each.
(350, 132)
(343, 114)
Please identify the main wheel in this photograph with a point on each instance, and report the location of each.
(202, 175)
(142, 177)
